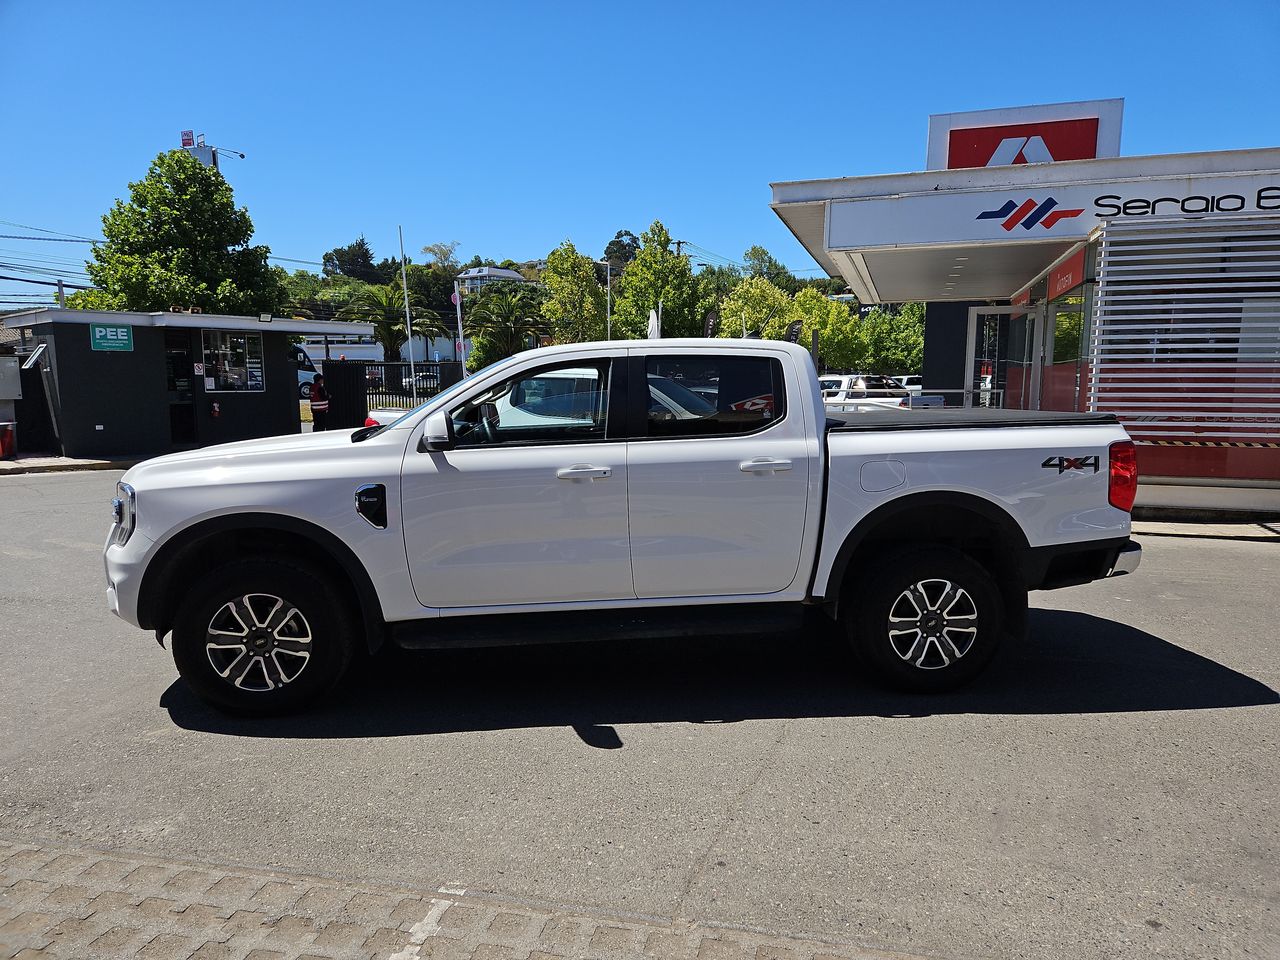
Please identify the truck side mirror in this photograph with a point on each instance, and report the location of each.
(437, 436)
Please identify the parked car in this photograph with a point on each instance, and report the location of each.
(268, 564)
(912, 383)
(428, 381)
(306, 370)
(855, 392)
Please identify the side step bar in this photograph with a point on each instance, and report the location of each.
(635, 623)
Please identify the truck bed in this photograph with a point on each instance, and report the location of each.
(959, 419)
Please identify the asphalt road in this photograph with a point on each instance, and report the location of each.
(1107, 790)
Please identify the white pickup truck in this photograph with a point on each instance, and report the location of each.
(620, 489)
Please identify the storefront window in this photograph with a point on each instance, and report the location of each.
(232, 361)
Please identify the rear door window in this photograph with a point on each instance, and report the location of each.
(707, 396)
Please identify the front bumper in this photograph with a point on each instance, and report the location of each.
(1127, 560)
(125, 564)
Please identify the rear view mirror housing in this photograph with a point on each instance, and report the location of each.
(437, 435)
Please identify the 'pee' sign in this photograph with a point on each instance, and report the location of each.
(106, 336)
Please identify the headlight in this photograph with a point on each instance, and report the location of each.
(124, 511)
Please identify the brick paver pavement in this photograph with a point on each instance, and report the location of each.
(81, 904)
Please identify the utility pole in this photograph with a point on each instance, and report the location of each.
(62, 299)
(679, 244)
(462, 344)
(408, 324)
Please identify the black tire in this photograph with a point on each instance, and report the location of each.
(945, 611)
(268, 673)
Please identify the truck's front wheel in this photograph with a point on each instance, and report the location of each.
(927, 619)
(262, 636)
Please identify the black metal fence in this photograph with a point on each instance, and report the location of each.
(358, 386)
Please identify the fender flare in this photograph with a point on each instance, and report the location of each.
(159, 573)
(1007, 529)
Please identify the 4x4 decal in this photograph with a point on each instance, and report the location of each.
(1063, 464)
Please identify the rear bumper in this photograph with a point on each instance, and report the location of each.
(1069, 564)
(1127, 560)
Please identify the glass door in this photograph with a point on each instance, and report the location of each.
(1064, 369)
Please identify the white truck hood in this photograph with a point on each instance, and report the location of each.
(243, 452)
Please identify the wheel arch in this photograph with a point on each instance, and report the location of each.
(220, 538)
(979, 527)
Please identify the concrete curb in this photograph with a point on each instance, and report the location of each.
(1255, 532)
(20, 468)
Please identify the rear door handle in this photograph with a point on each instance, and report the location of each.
(584, 471)
(764, 465)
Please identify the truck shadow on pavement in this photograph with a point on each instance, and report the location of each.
(1073, 663)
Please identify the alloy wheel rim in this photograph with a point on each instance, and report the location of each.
(932, 624)
(258, 642)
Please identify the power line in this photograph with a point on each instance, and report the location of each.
(56, 233)
(14, 236)
(46, 283)
(314, 263)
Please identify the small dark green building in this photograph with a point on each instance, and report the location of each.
(111, 384)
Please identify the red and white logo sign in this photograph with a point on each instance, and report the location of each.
(188, 138)
(1067, 275)
(1014, 143)
(760, 404)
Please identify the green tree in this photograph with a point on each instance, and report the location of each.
(506, 318)
(841, 345)
(319, 297)
(621, 250)
(180, 240)
(383, 307)
(761, 263)
(442, 255)
(713, 285)
(355, 260)
(575, 306)
(433, 285)
(895, 341)
(756, 306)
(657, 274)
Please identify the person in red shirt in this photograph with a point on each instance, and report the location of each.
(319, 404)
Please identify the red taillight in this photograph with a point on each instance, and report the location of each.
(370, 422)
(1123, 486)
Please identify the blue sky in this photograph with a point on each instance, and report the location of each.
(510, 127)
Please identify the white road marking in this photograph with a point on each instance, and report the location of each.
(423, 930)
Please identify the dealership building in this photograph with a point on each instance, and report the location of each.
(1059, 275)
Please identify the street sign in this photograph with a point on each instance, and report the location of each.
(111, 337)
(454, 298)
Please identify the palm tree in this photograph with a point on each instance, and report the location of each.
(507, 317)
(383, 307)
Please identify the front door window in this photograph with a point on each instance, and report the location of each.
(568, 403)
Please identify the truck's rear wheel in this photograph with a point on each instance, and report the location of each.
(263, 636)
(926, 619)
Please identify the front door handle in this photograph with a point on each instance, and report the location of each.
(584, 471)
(764, 465)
